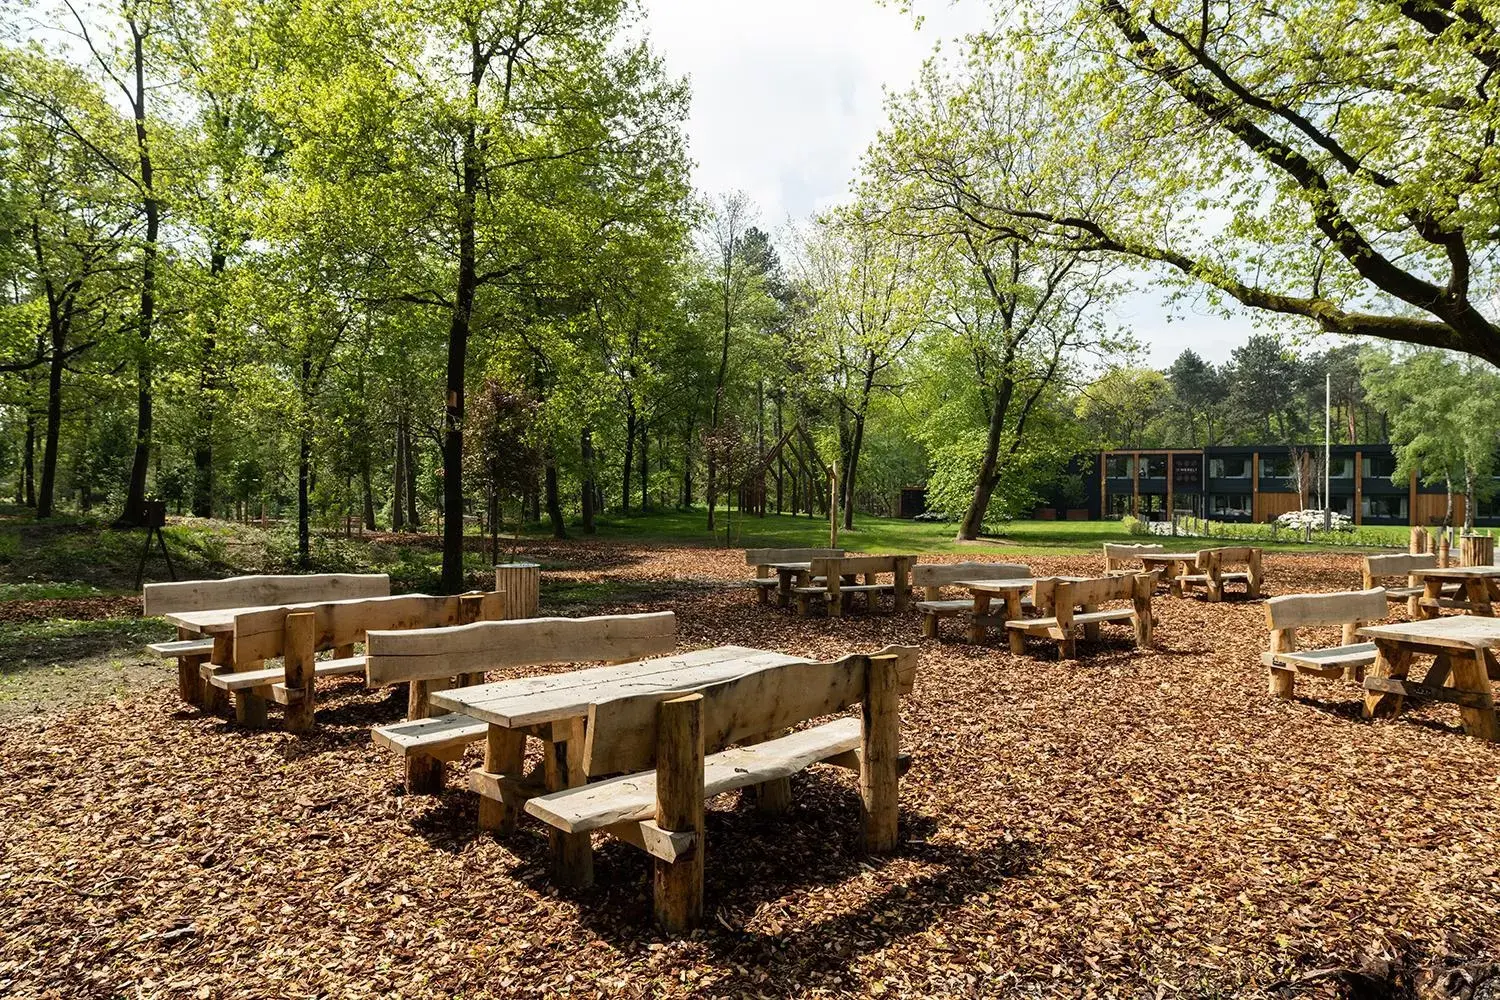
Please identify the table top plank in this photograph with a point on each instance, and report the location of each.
(1146, 557)
(1455, 632)
(528, 701)
(1457, 572)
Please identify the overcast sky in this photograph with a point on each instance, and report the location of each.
(788, 93)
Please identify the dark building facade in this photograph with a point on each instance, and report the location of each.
(1259, 483)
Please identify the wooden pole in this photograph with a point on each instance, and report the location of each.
(678, 885)
(880, 747)
(299, 659)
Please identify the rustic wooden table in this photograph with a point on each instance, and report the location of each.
(1011, 590)
(1481, 589)
(789, 575)
(1462, 648)
(554, 708)
(1167, 563)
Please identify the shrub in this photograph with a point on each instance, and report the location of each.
(1300, 520)
(1135, 525)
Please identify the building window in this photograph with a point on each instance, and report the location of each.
(1154, 466)
(1341, 468)
(1119, 504)
(1384, 507)
(1380, 467)
(1118, 466)
(1229, 468)
(1229, 504)
(1277, 467)
(1342, 505)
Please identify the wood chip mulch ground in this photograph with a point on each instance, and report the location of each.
(1128, 824)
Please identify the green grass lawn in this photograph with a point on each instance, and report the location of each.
(879, 534)
(81, 557)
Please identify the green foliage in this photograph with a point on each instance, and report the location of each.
(1134, 525)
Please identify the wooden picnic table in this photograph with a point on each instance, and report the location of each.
(1166, 563)
(1011, 590)
(554, 708)
(1463, 652)
(1480, 587)
(789, 575)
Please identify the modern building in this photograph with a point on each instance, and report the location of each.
(1258, 483)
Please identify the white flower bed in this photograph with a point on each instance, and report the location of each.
(1301, 520)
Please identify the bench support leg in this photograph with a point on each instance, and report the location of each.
(249, 709)
(572, 853)
(929, 625)
(1282, 684)
(217, 699)
(678, 885)
(774, 797)
(427, 775)
(504, 753)
(977, 619)
(881, 747)
(300, 665)
(1391, 660)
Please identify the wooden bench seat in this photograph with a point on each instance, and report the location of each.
(251, 679)
(766, 580)
(1285, 615)
(933, 577)
(1040, 626)
(676, 750)
(1332, 661)
(632, 797)
(437, 658)
(1076, 602)
(183, 647)
(839, 576)
(430, 737)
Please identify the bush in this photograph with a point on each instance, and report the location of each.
(1135, 525)
(1300, 520)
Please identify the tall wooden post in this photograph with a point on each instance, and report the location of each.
(678, 884)
(880, 747)
(299, 657)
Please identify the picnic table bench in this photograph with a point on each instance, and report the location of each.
(193, 647)
(1399, 567)
(1463, 663)
(778, 570)
(933, 577)
(1471, 589)
(1118, 557)
(245, 638)
(1348, 611)
(1208, 568)
(839, 577)
(662, 735)
(1077, 602)
(436, 659)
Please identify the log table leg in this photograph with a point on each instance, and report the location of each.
(1174, 581)
(1470, 674)
(878, 771)
(1432, 590)
(216, 699)
(1392, 660)
(504, 754)
(572, 853)
(1477, 593)
(189, 683)
(1091, 630)
(1013, 613)
(300, 667)
(903, 583)
(977, 619)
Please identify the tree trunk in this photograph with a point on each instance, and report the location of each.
(554, 507)
(1447, 510)
(588, 489)
(58, 322)
(368, 491)
(629, 460)
(135, 496)
(409, 464)
(398, 477)
(645, 468)
(203, 442)
(304, 504)
(458, 335)
(989, 465)
(687, 466)
(26, 485)
(1468, 501)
